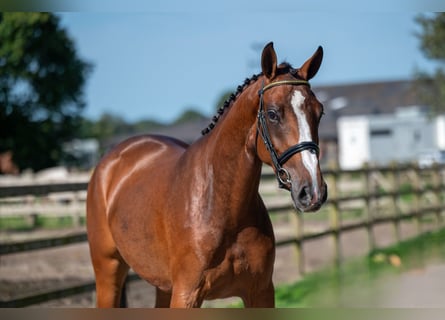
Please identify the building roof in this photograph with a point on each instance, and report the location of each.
(362, 99)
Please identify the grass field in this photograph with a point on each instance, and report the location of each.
(21, 223)
(316, 288)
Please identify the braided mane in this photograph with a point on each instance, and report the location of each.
(283, 68)
(228, 102)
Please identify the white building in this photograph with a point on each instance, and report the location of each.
(407, 135)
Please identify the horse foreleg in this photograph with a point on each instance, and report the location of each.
(183, 298)
(162, 298)
(264, 298)
(124, 300)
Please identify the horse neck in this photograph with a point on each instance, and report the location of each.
(230, 149)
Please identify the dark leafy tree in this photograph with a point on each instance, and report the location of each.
(41, 86)
(431, 87)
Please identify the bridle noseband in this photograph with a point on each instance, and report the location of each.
(282, 174)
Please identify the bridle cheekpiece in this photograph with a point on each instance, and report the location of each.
(282, 174)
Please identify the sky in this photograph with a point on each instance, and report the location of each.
(163, 59)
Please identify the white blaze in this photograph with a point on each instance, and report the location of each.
(310, 160)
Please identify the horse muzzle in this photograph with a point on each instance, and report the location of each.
(307, 198)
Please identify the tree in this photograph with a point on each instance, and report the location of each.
(41, 88)
(189, 115)
(431, 88)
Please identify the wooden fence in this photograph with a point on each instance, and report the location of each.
(368, 197)
(358, 199)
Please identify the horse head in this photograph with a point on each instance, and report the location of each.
(288, 118)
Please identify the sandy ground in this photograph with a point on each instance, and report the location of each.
(32, 272)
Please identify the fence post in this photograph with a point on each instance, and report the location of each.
(395, 180)
(32, 219)
(437, 185)
(416, 196)
(335, 218)
(77, 212)
(369, 216)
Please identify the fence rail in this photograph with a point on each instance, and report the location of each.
(17, 247)
(41, 189)
(380, 195)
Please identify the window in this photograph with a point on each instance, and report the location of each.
(380, 132)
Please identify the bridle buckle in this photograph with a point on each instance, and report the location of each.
(283, 177)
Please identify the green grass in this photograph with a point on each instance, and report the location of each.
(13, 223)
(26, 224)
(414, 251)
(315, 288)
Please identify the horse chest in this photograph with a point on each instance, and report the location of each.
(247, 263)
(252, 252)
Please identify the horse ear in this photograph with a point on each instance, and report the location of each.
(311, 66)
(269, 61)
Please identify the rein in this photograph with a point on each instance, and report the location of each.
(282, 174)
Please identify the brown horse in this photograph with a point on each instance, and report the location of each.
(189, 219)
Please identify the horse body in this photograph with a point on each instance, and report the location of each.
(188, 219)
(154, 235)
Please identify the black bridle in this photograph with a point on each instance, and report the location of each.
(282, 174)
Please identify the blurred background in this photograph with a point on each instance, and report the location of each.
(74, 84)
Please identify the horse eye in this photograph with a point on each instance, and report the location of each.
(273, 115)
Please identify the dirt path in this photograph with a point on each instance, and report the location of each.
(416, 288)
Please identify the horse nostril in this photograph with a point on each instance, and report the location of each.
(304, 196)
